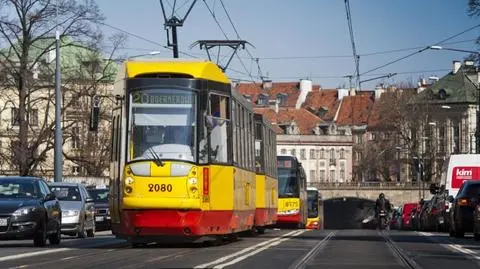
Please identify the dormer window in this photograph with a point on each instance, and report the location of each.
(282, 99)
(262, 99)
(247, 96)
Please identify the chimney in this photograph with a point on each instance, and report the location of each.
(468, 62)
(276, 106)
(378, 91)
(353, 92)
(456, 66)
(305, 88)
(342, 93)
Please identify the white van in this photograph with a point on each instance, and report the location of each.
(457, 168)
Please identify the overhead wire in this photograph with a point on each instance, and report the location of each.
(421, 50)
(226, 36)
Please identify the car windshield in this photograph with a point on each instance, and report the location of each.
(66, 193)
(18, 189)
(99, 195)
(162, 124)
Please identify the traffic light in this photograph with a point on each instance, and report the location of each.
(95, 113)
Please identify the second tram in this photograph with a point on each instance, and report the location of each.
(266, 178)
(292, 192)
(183, 156)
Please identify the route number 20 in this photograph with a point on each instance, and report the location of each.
(160, 187)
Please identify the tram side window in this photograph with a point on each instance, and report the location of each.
(219, 139)
(234, 132)
(259, 150)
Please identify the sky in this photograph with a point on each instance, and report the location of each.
(306, 39)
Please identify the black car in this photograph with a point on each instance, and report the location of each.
(28, 209)
(461, 214)
(102, 212)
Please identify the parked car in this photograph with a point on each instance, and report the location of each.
(102, 212)
(464, 203)
(406, 213)
(78, 209)
(29, 210)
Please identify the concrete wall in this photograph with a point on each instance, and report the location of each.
(396, 197)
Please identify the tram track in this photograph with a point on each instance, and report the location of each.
(400, 255)
(303, 261)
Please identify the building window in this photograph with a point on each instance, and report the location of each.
(33, 117)
(373, 136)
(342, 175)
(332, 175)
(322, 175)
(312, 154)
(322, 154)
(15, 117)
(293, 152)
(441, 138)
(75, 170)
(302, 154)
(342, 153)
(262, 99)
(332, 156)
(456, 138)
(75, 138)
(283, 151)
(312, 175)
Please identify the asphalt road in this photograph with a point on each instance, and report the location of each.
(275, 249)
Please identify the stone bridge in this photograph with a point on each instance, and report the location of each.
(397, 192)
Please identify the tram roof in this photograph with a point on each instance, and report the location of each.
(197, 68)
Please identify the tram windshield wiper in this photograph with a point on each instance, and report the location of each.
(156, 158)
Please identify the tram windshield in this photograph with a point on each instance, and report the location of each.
(312, 204)
(162, 125)
(288, 184)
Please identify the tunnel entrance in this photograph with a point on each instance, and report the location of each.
(347, 212)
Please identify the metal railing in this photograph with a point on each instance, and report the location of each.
(366, 185)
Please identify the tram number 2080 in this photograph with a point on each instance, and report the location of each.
(160, 187)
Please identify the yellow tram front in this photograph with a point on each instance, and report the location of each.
(313, 220)
(292, 192)
(176, 135)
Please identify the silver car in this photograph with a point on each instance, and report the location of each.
(78, 209)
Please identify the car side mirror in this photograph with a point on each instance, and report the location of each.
(89, 200)
(209, 122)
(450, 198)
(51, 196)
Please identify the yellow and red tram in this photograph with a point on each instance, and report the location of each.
(266, 174)
(183, 156)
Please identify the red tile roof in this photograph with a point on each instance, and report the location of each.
(304, 119)
(354, 110)
(323, 99)
(291, 89)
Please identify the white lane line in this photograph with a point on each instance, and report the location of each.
(243, 257)
(32, 254)
(220, 260)
(453, 247)
(313, 252)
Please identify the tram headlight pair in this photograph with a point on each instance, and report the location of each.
(192, 182)
(128, 181)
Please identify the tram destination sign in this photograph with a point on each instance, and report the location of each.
(284, 164)
(162, 98)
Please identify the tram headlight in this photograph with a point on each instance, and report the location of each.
(128, 189)
(180, 169)
(192, 181)
(128, 181)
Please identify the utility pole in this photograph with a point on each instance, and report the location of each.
(173, 22)
(57, 166)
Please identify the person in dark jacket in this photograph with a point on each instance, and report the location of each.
(382, 203)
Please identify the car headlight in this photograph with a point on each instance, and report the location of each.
(70, 213)
(24, 211)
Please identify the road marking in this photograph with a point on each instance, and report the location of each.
(454, 247)
(241, 258)
(32, 254)
(220, 260)
(313, 252)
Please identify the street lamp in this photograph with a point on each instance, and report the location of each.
(151, 53)
(477, 129)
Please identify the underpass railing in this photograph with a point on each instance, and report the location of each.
(367, 185)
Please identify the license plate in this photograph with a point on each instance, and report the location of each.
(98, 218)
(3, 222)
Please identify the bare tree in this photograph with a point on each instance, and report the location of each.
(27, 28)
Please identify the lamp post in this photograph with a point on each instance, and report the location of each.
(477, 127)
